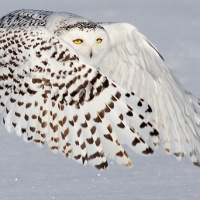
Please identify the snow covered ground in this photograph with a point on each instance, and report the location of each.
(27, 172)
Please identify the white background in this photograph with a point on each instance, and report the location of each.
(30, 173)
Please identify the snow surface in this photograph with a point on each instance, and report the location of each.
(30, 173)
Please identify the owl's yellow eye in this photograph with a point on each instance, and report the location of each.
(78, 41)
(99, 40)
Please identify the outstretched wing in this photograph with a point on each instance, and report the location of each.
(136, 65)
(48, 95)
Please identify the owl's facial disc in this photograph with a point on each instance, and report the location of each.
(91, 45)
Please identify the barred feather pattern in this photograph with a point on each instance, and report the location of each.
(78, 100)
(25, 18)
(48, 95)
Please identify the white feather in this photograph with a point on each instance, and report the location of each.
(176, 112)
(54, 89)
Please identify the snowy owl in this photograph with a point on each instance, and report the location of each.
(88, 88)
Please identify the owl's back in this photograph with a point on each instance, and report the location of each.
(25, 18)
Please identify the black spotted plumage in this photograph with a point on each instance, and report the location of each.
(49, 95)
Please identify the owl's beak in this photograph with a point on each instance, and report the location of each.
(91, 54)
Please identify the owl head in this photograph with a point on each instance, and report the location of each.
(90, 41)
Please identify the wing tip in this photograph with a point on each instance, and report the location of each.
(197, 163)
(148, 151)
(129, 164)
(103, 165)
